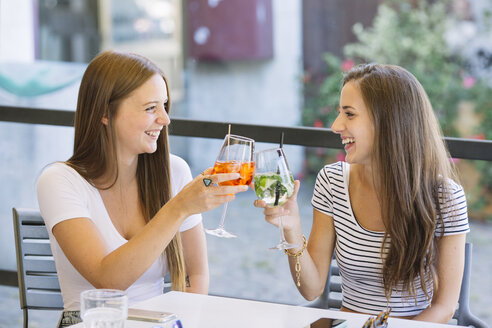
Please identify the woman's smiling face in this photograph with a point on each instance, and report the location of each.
(140, 118)
(354, 125)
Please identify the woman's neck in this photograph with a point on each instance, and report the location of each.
(127, 170)
(121, 176)
(366, 175)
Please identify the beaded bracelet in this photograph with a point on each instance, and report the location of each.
(298, 263)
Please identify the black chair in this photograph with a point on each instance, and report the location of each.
(331, 296)
(38, 282)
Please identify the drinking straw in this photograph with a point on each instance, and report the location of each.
(277, 186)
(228, 140)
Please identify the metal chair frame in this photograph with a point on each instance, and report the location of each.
(38, 281)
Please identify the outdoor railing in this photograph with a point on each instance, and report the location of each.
(301, 136)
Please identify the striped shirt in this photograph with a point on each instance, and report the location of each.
(357, 249)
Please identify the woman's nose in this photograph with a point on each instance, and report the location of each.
(163, 117)
(337, 125)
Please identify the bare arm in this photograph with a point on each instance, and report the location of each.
(85, 247)
(316, 259)
(451, 250)
(195, 256)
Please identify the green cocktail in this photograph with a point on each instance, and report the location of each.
(273, 188)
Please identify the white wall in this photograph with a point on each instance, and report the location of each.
(264, 92)
(16, 30)
(26, 148)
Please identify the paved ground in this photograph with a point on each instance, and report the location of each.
(245, 268)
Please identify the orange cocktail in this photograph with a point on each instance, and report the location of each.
(245, 170)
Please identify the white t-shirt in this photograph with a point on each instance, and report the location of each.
(64, 194)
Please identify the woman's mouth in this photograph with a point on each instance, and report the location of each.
(348, 142)
(153, 134)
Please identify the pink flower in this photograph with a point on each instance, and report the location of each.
(318, 123)
(347, 64)
(306, 78)
(469, 82)
(340, 157)
(480, 136)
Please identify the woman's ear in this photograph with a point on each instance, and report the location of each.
(104, 120)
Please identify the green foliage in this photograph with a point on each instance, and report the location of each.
(411, 37)
(321, 102)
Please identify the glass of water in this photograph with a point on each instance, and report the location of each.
(103, 308)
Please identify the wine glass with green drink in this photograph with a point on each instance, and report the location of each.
(274, 184)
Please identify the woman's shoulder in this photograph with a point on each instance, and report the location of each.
(451, 190)
(176, 160)
(453, 185)
(180, 172)
(178, 164)
(59, 169)
(61, 174)
(334, 169)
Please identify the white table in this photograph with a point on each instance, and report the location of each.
(203, 311)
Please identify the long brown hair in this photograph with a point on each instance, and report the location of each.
(110, 78)
(412, 162)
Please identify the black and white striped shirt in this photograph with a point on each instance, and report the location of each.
(358, 249)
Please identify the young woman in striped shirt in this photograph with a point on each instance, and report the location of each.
(392, 212)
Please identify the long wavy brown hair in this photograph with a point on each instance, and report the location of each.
(412, 162)
(110, 78)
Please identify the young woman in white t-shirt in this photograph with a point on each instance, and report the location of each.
(118, 204)
(391, 212)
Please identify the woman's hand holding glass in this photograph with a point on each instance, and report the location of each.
(274, 184)
(289, 212)
(196, 197)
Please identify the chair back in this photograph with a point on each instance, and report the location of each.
(331, 298)
(463, 315)
(38, 281)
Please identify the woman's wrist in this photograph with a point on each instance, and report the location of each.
(175, 210)
(294, 253)
(295, 236)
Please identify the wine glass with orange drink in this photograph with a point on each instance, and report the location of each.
(236, 156)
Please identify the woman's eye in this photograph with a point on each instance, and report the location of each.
(150, 109)
(349, 114)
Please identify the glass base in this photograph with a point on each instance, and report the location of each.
(284, 245)
(219, 232)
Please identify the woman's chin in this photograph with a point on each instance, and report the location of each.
(151, 149)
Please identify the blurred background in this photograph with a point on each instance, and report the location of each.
(266, 62)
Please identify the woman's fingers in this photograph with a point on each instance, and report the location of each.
(259, 203)
(221, 177)
(297, 184)
(218, 177)
(228, 190)
(207, 171)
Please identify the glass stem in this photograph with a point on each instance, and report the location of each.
(281, 229)
(222, 219)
